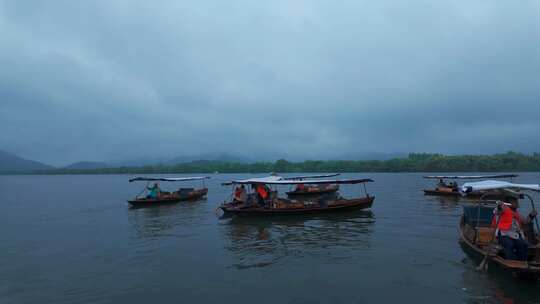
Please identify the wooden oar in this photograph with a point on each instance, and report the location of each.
(490, 248)
(536, 217)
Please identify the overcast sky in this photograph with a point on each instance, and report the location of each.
(111, 80)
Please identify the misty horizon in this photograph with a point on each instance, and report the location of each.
(226, 157)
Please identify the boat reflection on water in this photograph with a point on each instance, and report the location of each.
(160, 220)
(448, 203)
(265, 241)
(495, 286)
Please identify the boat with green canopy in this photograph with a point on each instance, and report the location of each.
(153, 195)
(261, 197)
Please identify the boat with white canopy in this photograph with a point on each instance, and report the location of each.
(479, 238)
(153, 195)
(451, 189)
(275, 177)
(261, 197)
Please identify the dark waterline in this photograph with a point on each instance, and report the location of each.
(73, 239)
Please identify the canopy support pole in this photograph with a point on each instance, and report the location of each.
(365, 189)
(532, 205)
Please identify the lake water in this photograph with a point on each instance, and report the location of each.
(73, 239)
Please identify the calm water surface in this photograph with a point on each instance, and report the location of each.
(73, 239)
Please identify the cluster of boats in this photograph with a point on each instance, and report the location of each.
(311, 194)
(478, 233)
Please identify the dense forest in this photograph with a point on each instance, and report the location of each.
(415, 162)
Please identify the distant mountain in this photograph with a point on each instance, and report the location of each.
(139, 162)
(87, 165)
(147, 161)
(224, 157)
(13, 163)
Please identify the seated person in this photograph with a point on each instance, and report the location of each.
(508, 224)
(240, 195)
(154, 191)
(441, 184)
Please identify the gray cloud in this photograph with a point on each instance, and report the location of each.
(106, 80)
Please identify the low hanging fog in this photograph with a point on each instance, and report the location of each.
(114, 80)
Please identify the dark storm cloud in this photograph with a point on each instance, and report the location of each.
(106, 80)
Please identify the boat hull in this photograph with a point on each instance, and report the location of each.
(473, 195)
(339, 206)
(172, 199)
(441, 193)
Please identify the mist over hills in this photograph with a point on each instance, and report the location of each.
(12, 162)
(87, 165)
(226, 163)
(149, 161)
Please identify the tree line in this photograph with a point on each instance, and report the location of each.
(415, 162)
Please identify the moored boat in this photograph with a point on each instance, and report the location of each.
(311, 190)
(451, 189)
(254, 204)
(304, 190)
(478, 237)
(144, 199)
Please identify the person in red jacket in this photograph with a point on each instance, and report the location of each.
(262, 190)
(510, 229)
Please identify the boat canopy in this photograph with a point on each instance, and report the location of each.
(310, 176)
(275, 177)
(496, 185)
(470, 176)
(168, 179)
(276, 180)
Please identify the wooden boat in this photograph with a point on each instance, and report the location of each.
(452, 189)
(274, 205)
(183, 194)
(477, 237)
(313, 190)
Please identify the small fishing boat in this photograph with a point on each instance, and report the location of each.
(477, 236)
(451, 189)
(162, 197)
(274, 205)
